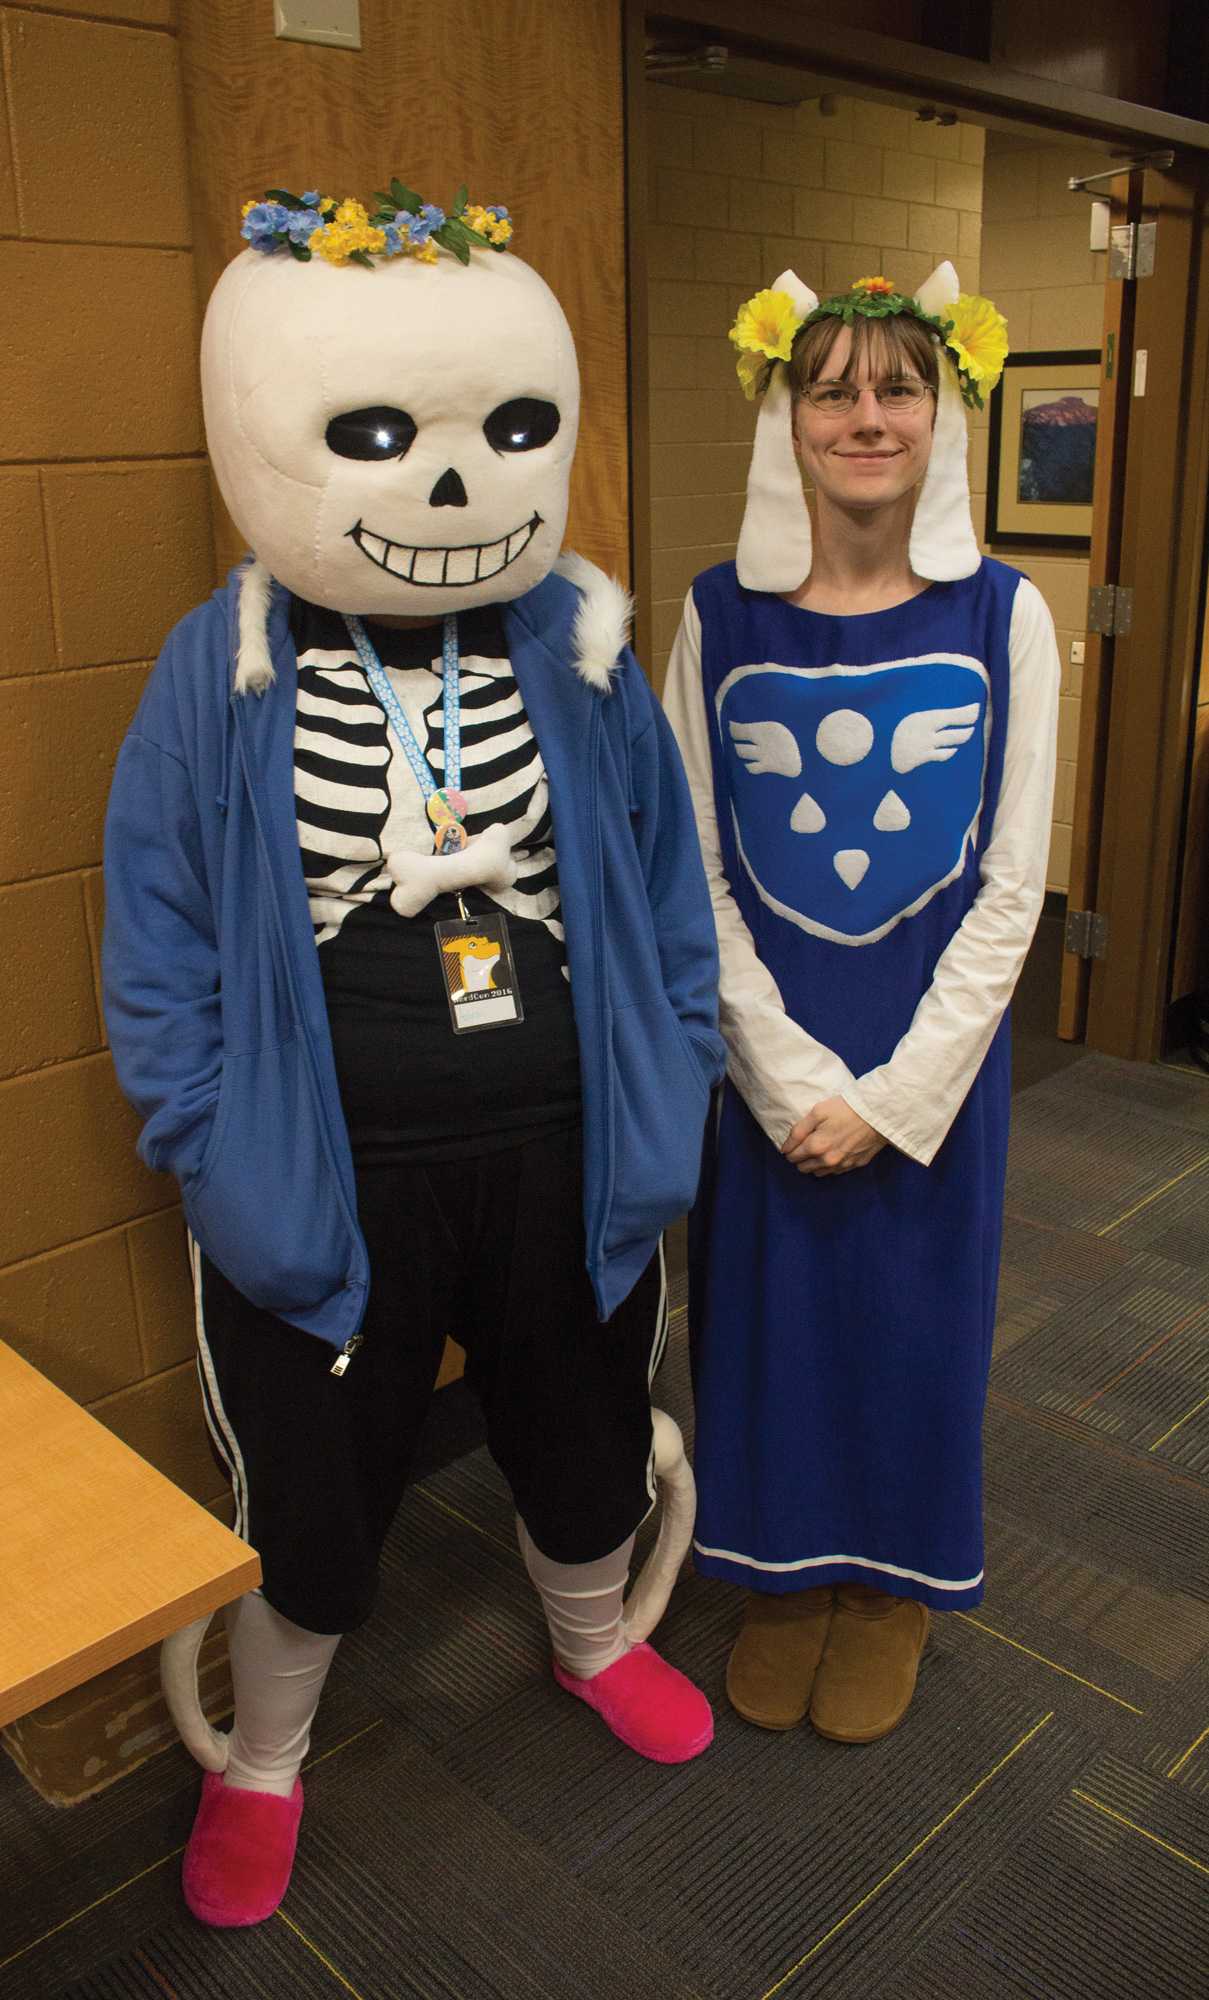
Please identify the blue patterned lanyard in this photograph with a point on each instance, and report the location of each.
(375, 674)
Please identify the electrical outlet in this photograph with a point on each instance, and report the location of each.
(1077, 650)
(335, 24)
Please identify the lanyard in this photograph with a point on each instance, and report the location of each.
(375, 674)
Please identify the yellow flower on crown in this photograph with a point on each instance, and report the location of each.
(335, 241)
(880, 286)
(977, 339)
(752, 369)
(766, 325)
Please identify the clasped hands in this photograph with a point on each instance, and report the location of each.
(831, 1139)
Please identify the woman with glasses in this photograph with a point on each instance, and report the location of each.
(867, 711)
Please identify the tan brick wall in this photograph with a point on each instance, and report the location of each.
(737, 192)
(1037, 267)
(105, 540)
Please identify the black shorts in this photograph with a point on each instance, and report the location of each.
(491, 1251)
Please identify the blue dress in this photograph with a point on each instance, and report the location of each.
(842, 1326)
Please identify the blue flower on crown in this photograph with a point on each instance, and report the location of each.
(302, 224)
(264, 223)
(420, 227)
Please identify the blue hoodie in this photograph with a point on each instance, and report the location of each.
(214, 996)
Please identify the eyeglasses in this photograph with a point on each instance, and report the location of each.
(839, 399)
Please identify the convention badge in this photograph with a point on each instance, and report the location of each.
(450, 837)
(479, 974)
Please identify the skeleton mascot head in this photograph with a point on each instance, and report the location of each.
(391, 407)
(397, 440)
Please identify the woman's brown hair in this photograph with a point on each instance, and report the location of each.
(898, 344)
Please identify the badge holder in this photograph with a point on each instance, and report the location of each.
(480, 977)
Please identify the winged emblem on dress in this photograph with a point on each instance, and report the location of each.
(894, 755)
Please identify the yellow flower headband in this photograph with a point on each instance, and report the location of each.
(974, 335)
(344, 232)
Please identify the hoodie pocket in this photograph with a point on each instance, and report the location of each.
(659, 1104)
(264, 1204)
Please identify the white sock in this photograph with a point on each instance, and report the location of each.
(278, 1671)
(582, 1603)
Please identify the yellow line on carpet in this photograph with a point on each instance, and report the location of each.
(898, 1867)
(509, 1548)
(321, 1956)
(1045, 1662)
(1135, 1828)
(1179, 1420)
(338, 1747)
(95, 1905)
(1147, 1199)
(1181, 1761)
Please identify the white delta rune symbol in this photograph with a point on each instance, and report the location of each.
(881, 767)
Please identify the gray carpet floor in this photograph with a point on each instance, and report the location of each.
(1039, 1825)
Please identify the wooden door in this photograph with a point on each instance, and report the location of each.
(1148, 675)
(1116, 374)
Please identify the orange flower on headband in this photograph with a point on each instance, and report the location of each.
(880, 285)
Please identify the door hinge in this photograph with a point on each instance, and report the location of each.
(1131, 247)
(1086, 934)
(1110, 609)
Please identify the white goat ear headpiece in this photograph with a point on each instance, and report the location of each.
(942, 546)
(774, 551)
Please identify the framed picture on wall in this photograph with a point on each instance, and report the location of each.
(1042, 459)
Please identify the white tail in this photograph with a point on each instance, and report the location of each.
(653, 1586)
(178, 1678)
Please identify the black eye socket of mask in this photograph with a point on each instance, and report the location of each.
(373, 434)
(522, 425)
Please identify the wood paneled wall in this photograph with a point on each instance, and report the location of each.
(523, 102)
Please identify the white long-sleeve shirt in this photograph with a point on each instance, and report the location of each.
(779, 1069)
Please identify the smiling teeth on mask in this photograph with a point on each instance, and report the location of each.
(474, 562)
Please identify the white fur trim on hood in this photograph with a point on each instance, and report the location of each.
(602, 624)
(775, 551)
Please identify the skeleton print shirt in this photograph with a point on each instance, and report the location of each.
(412, 1089)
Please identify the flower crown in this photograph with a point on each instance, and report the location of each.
(974, 336)
(344, 232)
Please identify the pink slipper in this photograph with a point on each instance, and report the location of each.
(240, 1853)
(650, 1705)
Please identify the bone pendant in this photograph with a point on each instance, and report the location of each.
(484, 863)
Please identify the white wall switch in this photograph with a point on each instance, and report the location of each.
(1077, 650)
(334, 23)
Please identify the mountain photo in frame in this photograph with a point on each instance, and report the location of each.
(1042, 457)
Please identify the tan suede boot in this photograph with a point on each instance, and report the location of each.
(866, 1677)
(772, 1664)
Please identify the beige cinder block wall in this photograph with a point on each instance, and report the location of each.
(106, 541)
(737, 192)
(1037, 267)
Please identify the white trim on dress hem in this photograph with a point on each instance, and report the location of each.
(862, 1562)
